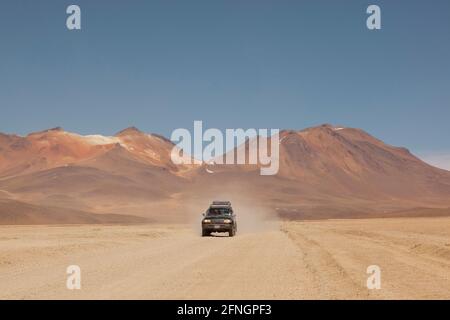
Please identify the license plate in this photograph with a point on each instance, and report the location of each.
(216, 227)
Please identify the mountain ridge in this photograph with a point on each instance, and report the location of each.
(322, 169)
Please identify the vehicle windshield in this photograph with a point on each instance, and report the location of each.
(219, 212)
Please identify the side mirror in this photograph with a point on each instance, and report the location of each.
(203, 214)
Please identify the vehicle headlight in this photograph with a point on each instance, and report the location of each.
(227, 221)
(207, 221)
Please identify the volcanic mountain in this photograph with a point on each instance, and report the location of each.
(325, 172)
(351, 169)
(329, 171)
(120, 174)
(55, 148)
(348, 162)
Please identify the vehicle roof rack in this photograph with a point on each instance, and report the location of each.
(221, 203)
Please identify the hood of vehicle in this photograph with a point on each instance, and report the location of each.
(218, 217)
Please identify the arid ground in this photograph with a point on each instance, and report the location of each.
(287, 260)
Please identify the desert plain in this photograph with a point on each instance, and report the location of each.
(325, 259)
(118, 208)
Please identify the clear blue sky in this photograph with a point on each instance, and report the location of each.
(160, 65)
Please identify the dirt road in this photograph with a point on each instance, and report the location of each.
(314, 260)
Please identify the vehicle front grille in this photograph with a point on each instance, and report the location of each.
(218, 221)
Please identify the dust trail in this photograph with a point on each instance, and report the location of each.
(252, 216)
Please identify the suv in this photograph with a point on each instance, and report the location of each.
(219, 218)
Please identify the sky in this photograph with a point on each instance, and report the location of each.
(159, 65)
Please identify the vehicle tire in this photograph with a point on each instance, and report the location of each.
(231, 233)
(205, 233)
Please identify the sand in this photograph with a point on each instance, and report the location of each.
(288, 260)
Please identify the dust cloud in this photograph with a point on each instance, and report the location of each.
(251, 214)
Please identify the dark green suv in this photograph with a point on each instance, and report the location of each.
(219, 218)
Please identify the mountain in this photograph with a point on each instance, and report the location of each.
(55, 148)
(123, 174)
(44, 150)
(325, 172)
(329, 171)
(350, 162)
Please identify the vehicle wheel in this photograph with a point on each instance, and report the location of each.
(232, 232)
(205, 233)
